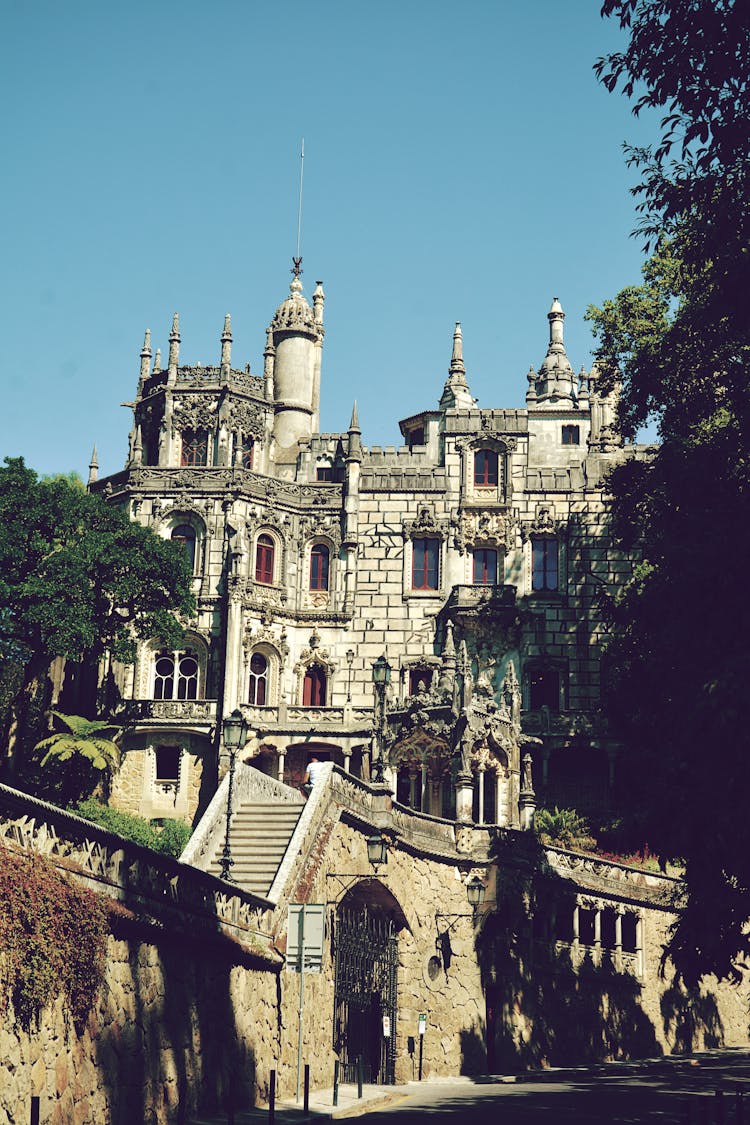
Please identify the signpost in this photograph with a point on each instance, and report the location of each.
(304, 954)
(422, 1029)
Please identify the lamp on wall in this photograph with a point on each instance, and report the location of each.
(234, 731)
(476, 890)
(381, 677)
(377, 855)
(349, 661)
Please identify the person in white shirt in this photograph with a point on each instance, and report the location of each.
(314, 766)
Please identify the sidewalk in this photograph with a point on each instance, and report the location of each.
(321, 1106)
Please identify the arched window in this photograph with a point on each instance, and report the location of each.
(424, 567)
(420, 679)
(544, 564)
(246, 450)
(264, 559)
(314, 687)
(258, 692)
(176, 675)
(485, 468)
(194, 447)
(319, 564)
(185, 534)
(484, 567)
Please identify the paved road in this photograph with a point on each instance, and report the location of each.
(664, 1093)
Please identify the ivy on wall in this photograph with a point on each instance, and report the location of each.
(53, 939)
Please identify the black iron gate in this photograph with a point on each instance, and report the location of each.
(365, 995)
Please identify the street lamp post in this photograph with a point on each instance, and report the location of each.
(381, 676)
(235, 736)
(349, 661)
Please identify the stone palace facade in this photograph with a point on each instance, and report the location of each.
(472, 556)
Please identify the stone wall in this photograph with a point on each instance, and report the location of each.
(179, 1027)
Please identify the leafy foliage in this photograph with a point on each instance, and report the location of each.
(170, 839)
(82, 737)
(563, 827)
(53, 939)
(678, 660)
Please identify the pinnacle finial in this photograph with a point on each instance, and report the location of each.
(457, 370)
(354, 423)
(175, 333)
(93, 467)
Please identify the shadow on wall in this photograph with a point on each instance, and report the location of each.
(543, 1010)
(169, 1045)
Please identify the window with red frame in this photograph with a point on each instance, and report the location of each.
(264, 556)
(485, 567)
(485, 468)
(544, 564)
(194, 447)
(425, 564)
(319, 562)
(314, 687)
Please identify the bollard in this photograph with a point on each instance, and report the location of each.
(360, 1075)
(272, 1098)
(306, 1102)
(336, 1082)
(35, 1110)
(739, 1114)
(719, 1103)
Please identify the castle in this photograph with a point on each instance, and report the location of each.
(471, 557)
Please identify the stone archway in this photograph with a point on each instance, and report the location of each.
(365, 942)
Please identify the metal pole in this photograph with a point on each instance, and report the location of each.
(336, 1082)
(272, 1098)
(35, 1110)
(301, 995)
(226, 854)
(306, 1104)
(421, 1049)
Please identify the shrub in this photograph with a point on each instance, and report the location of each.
(565, 828)
(169, 839)
(53, 938)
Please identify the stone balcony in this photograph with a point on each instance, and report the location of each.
(199, 713)
(346, 720)
(491, 606)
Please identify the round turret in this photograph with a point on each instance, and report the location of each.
(296, 334)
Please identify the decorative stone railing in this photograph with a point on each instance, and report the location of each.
(635, 881)
(347, 719)
(472, 597)
(152, 885)
(544, 721)
(578, 954)
(170, 710)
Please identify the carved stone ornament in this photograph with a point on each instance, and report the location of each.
(244, 416)
(294, 314)
(473, 528)
(324, 525)
(193, 412)
(543, 523)
(425, 525)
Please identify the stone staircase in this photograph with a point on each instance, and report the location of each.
(259, 837)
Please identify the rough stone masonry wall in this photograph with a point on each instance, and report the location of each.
(178, 1027)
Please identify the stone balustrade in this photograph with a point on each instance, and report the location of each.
(153, 885)
(179, 711)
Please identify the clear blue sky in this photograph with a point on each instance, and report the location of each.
(461, 163)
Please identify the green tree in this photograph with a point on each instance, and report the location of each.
(77, 579)
(82, 751)
(678, 661)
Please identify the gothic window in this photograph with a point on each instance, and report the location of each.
(194, 447)
(314, 687)
(324, 473)
(185, 535)
(246, 450)
(571, 435)
(544, 688)
(484, 571)
(258, 692)
(419, 679)
(319, 565)
(176, 675)
(425, 564)
(167, 770)
(485, 468)
(544, 567)
(264, 559)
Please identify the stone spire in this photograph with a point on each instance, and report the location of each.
(94, 466)
(447, 680)
(157, 360)
(319, 299)
(226, 349)
(145, 359)
(354, 445)
(555, 383)
(174, 348)
(456, 394)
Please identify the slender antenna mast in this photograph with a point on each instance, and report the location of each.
(298, 259)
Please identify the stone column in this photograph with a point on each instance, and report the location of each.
(598, 935)
(232, 653)
(425, 794)
(464, 797)
(480, 782)
(618, 939)
(281, 761)
(639, 945)
(576, 927)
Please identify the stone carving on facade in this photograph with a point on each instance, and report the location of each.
(485, 528)
(194, 412)
(324, 525)
(544, 523)
(244, 416)
(425, 525)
